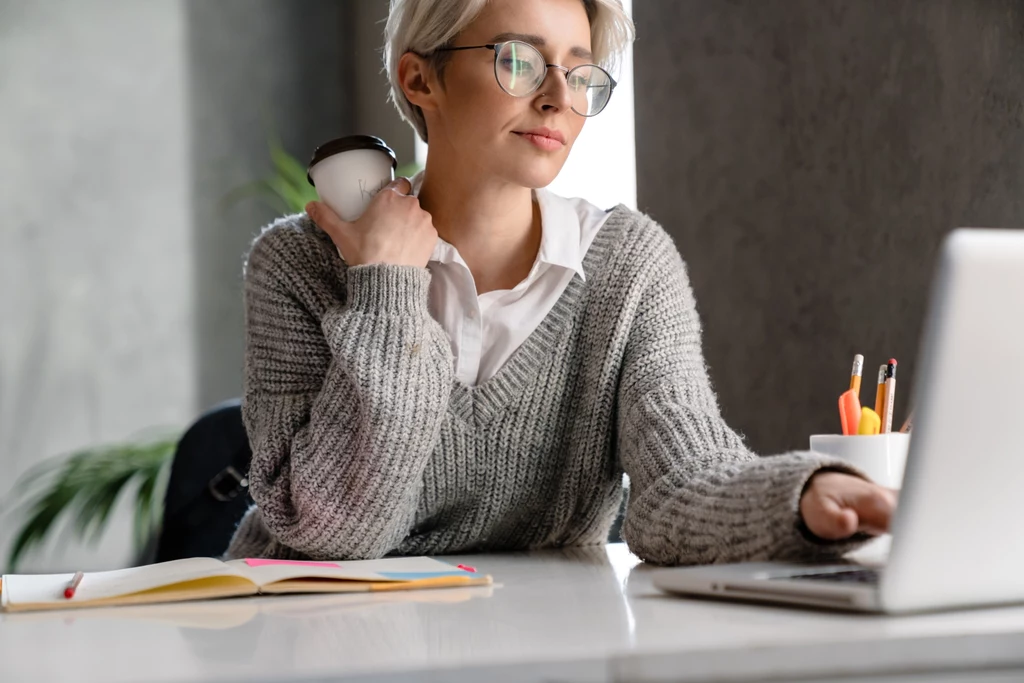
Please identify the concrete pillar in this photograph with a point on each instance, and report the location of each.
(122, 126)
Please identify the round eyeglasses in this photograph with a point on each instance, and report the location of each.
(520, 70)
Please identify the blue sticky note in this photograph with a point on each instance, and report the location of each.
(412, 576)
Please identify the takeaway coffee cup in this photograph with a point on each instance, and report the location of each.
(348, 171)
(882, 457)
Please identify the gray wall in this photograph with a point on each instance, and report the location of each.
(255, 68)
(308, 70)
(122, 126)
(807, 156)
(95, 264)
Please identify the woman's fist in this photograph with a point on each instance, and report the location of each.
(836, 505)
(393, 229)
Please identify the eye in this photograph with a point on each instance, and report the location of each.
(578, 82)
(516, 66)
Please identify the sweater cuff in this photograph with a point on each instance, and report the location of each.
(388, 289)
(802, 543)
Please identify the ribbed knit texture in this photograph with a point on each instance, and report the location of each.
(365, 444)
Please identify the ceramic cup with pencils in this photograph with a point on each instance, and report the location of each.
(882, 457)
(867, 441)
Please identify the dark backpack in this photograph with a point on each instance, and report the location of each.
(208, 490)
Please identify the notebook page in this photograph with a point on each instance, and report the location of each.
(43, 588)
(264, 572)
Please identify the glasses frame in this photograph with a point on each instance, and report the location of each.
(497, 47)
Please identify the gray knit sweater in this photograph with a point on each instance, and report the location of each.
(365, 444)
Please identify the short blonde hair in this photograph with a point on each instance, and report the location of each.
(422, 26)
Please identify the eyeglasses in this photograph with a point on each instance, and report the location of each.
(520, 70)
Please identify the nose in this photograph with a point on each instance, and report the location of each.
(554, 90)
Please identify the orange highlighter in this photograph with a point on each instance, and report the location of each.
(849, 412)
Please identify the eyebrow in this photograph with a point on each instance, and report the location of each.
(576, 50)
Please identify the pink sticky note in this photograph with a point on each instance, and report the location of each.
(259, 562)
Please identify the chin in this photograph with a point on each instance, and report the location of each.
(535, 173)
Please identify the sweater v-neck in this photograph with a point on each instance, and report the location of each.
(481, 403)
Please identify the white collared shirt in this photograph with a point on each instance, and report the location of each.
(486, 330)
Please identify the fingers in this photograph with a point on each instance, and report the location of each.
(874, 508)
(835, 522)
(838, 505)
(332, 224)
(401, 185)
(324, 217)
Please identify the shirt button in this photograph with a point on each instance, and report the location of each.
(471, 315)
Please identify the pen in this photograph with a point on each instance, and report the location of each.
(856, 372)
(880, 391)
(69, 592)
(890, 395)
(908, 424)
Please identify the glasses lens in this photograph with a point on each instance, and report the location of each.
(590, 87)
(519, 68)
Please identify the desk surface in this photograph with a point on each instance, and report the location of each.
(579, 615)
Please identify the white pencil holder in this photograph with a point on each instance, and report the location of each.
(882, 457)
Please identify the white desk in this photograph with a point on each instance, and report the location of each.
(566, 616)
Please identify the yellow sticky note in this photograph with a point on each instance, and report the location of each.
(870, 422)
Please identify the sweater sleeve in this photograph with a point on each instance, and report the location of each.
(697, 495)
(343, 411)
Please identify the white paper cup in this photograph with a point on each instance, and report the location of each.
(347, 172)
(882, 457)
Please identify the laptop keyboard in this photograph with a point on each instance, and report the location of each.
(851, 576)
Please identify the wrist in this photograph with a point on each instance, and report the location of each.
(387, 288)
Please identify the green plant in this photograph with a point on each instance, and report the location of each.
(86, 485)
(288, 190)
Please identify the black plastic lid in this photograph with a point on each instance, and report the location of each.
(346, 144)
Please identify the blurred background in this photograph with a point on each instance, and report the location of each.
(806, 155)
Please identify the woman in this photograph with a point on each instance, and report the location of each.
(474, 363)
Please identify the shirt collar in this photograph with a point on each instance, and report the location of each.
(561, 232)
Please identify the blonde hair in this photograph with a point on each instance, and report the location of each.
(422, 26)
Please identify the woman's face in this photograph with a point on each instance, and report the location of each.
(482, 125)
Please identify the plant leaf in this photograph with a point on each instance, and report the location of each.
(257, 188)
(287, 190)
(88, 484)
(287, 166)
(408, 170)
(290, 174)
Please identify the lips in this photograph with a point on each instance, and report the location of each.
(544, 133)
(541, 142)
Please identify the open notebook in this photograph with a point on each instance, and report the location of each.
(201, 578)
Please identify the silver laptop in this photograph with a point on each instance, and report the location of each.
(958, 532)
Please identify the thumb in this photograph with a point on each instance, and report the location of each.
(401, 185)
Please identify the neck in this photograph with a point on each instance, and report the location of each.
(494, 224)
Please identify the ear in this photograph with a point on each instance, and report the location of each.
(416, 77)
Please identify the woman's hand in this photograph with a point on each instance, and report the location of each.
(836, 505)
(393, 229)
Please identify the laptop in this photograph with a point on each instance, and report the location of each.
(958, 531)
